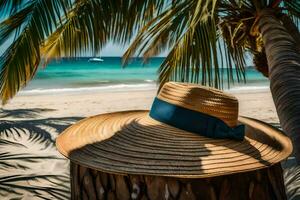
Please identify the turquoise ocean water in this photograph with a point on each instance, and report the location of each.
(75, 75)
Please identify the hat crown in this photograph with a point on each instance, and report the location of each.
(202, 99)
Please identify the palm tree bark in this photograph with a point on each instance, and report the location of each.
(284, 74)
(292, 28)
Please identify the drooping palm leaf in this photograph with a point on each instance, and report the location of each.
(8, 7)
(129, 16)
(157, 34)
(21, 59)
(293, 7)
(189, 29)
(90, 24)
(226, 51)
(14, 23)
(79, 33)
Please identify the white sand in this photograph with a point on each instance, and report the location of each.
(257, 104)
(34, 121)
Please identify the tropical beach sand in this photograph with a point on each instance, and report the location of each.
(32, 123)
(252, 103)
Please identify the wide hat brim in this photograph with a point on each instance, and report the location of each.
(131, 142)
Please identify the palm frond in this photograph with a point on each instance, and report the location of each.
(8, 7)
(193, 58)
(89, 25)
(293, 7)
(14, 23)
(82, 31)
(130, 16)
(189, 29)
(21, 59)
(220, 28)
(161, 32)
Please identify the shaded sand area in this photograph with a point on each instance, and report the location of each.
(30, 165)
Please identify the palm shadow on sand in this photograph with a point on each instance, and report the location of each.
(23, 113)
(30, 165)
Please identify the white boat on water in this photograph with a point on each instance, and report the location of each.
(95, 59)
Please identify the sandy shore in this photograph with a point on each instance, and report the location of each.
(257, 104)
(30, 124)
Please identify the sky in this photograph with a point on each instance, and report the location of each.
(117, 50)
(113, 50)
(110, 49)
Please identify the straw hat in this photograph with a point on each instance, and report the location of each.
(191, 132)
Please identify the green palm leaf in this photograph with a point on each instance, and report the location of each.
(21, 60)
(207, 40)
(189, 29)
(79, 32)
(10, 6)
(90, 24)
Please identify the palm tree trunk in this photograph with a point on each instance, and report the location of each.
(292, 28)
(264, 184)
(284, 74)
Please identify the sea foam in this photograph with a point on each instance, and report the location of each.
(123, 87)
(248, 88)
(110, 88)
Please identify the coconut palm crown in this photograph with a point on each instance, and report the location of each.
(207, 41)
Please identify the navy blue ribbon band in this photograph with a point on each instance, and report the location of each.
(193, 121)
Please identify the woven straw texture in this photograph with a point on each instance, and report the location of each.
(131, 142)
(202, 99)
